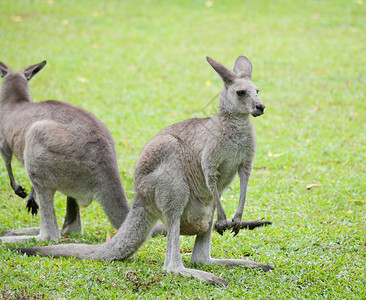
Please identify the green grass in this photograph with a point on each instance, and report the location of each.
(140, 66)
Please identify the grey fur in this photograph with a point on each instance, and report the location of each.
(179, 178)
(63, 148)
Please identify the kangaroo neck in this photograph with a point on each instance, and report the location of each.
(14, 92)
(233, 120)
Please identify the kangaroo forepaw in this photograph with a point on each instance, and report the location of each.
(236, 225)
(32, 206)
(20, 191)
(222, 225)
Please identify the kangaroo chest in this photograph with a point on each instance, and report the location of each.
(236, 152)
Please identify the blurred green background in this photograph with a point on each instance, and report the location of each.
(140, 66)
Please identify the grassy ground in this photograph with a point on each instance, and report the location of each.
(139, 66)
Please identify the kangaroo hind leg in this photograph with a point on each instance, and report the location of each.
(72, 221)
(49, 227)
(201, 254)
(173, 259)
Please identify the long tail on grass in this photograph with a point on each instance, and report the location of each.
(253, 224)
(250, 224)
(131, 235)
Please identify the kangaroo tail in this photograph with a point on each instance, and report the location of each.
(131, 235)
(253, 224)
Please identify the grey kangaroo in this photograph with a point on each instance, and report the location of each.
(63, 148)
(179, 178)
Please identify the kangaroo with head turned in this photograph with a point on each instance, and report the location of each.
(179, 178)
(63, 148)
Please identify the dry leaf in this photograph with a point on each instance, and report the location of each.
(320, 71)
(82, 79)
(310, 185)
(101, 280)
(114, 283)
(107, 239)
(209, 3)
(270, 154)
(16, 18)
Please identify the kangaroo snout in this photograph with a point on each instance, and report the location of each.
(260, 107)
(259, 110)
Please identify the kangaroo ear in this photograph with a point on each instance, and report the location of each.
(226, 74)
(4, 69)
(33, 70)
(243, 67)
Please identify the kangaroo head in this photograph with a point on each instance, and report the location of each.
(15, 84)
(240, 94)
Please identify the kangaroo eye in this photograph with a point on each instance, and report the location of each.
(258, 91)
(241, 93)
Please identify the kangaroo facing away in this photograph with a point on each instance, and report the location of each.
(63, 148)
(179, 178)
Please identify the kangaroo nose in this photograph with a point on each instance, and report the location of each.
(260, 107)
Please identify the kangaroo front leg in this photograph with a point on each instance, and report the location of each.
(72, 221)
(7, 156)
(244, 174)
(210, 162)
(222, 223)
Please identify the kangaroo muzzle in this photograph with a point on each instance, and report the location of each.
(258, 110)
